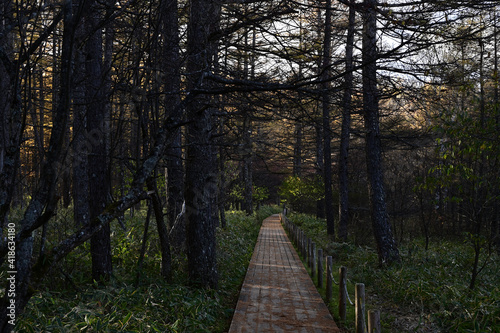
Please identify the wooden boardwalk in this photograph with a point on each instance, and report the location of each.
(278, 295)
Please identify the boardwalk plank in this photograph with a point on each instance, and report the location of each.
(278, 295)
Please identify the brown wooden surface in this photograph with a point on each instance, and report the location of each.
(278, 295)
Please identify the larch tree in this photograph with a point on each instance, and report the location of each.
(343, 172)
(96, 101)
(326, 128)
(171, 66)
(201, 169)
(386, 245)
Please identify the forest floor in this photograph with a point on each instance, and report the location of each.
(427, 292)
(137, 299)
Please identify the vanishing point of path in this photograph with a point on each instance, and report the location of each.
(278, 295)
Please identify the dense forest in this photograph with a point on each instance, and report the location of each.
(380, 117)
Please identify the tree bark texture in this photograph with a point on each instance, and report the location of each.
(386, 245)
(10, 115)
(80, 145)
(327, 136)
(346, 126)
(95, 97)
(320, 204)
(297, 151)
(201, 170)
(172, 79)
(247, 163)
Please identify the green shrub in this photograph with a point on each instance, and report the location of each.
(302, 193)
(154, 305)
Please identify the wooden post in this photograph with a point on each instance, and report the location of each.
(299, 242)
(308, 251)
(320, 268)
(296, 232)
(342, 293)
(329, 281)
(360, 308)
(313, 260)
(374, 321)
(304, 245)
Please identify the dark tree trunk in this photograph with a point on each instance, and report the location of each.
(166, 258)
(171, 72)
(386, 245)
(320, 204)
(95, 96)
(325, 102)
(247, 164)
(346, 126)
(297, 151)
(10, 116)
(81, 147)
(222, 188)
(247, 128)
(201, 171)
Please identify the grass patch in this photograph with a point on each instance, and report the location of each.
(426, 292)
(70, 302)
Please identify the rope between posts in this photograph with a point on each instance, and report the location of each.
(345, 288)
(333, 279)
(347, 293)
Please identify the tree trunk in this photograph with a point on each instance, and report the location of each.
(81, 147)
(320, 204)
(346, 126)
(171, 69)
(10, 116)
(96, 96)
(325, 102)
(166, 258)
(247, 163)
(297, 151)
(201, 171)
(386, 245)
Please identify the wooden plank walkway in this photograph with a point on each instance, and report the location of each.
(278, 295)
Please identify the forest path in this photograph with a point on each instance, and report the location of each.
(278, 295)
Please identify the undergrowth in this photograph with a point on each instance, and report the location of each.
(427, 292)
(70, 302)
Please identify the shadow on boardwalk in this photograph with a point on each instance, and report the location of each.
(278, 295)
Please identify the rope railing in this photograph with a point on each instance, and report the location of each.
(314, 260)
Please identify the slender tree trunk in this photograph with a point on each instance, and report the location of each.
(319, 166)
(10, 115)
(325, 102)
(346, 127)
(166, 258)
(320, 204)
(171, 70)
(222, 187)
(247, 128)
(247, 164)
(201, 171)
(386, 245)
(96, 96)
(81, 147)
(297, 151)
